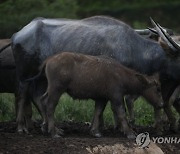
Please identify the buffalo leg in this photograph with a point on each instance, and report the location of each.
(22, 95)
(177, 107)
(28, 114)
(171, 117)
(167, 89)
(98, 118)
(175, 100)
(16, 104)
(158, 121)
(175, 96)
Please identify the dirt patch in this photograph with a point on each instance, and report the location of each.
(76, 140)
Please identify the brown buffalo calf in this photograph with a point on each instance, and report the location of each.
(100, 79)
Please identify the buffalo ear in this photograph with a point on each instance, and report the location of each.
(142, 79)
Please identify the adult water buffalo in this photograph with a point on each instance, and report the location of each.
(97, 35)
(9, 83)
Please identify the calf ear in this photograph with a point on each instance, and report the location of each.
(143, 79)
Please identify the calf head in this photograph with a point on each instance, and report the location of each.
(151, 90)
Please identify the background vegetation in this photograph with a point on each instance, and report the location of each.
(75, 110)
(14, 14)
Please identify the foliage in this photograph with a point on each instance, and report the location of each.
(81, 111)
(134, 11)
(75, 110)
(7, 109)
(144, 113)
(16, 14)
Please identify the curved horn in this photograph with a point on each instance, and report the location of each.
(143, 31)
(147, 33)
(167, 30)
(152, 30)
(165, 36)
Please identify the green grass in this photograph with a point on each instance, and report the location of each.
(144, 112)
(7, 108)
(80, 111)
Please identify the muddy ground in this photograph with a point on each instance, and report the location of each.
(76, 141)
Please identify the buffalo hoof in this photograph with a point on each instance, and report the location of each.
(96, 134)
(22, 131)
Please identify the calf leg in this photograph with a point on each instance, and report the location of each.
(130, 106)
(118, 108)
(98, 118)
(37, 101)
(50, 105)
(37, 89)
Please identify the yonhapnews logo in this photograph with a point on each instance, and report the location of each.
(143, 140)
